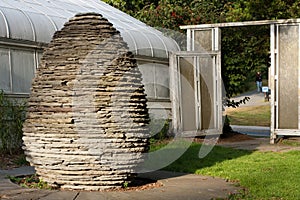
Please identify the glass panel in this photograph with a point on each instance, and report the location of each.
(3, 29)
(40, 7)
(39, 57)
(288, 77)
(108, 11)
(59, 22)
(171, 44)
(65, 13)
(61, 10)
(70, 6)
(4, 70)
(203, 40)
(7, 4)
(23, 68)
(207, 92)
(159, 47)
(147, 71)
(162, 81)
(44, 28)
(19, 25)
(128, 39)
(187, 94)
(143, 46)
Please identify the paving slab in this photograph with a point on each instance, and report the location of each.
(21, 171)
(174, 186)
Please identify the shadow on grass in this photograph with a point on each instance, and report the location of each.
(190, 162)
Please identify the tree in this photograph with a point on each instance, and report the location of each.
(173, 13)
(131, 7)
(244, 49)
(241, 51)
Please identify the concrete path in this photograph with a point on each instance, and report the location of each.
(256, 99)
(256, 131)
(174, 186)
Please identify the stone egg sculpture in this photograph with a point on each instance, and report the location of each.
(86, 125)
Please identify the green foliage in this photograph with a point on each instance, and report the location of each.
(12, 116)
(259, 10)
(170, 14)
(245, 50)
(125, 185)
(21, 160)
(159, 129)
(32, 181)
(226, 126)
(294, 9)
(130, 7)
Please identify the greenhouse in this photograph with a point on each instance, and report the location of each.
(28, 26)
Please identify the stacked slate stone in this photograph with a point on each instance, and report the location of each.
(86, 125)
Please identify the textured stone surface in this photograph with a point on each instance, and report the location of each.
(86, 125)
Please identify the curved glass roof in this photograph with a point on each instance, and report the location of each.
(37, 20)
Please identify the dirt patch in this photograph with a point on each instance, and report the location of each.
(234, 137)
(231, 137)
(12, 161)
(137, 184)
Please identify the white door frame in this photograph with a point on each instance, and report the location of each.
(175, 93)
(274, 83)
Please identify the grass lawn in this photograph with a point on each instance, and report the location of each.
(250, 116)
(262, 175)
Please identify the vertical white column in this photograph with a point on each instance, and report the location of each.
(273, 81)
(197, 86)
(216, 47)
(174, 93)
(188, 40)
(298, 76)
(10, 69)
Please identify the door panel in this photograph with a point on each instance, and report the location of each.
(197, 93)
(187, 94)
(288, 77)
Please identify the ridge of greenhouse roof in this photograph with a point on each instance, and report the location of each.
(37, 20)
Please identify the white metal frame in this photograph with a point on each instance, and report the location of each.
(215, 53)
(274, 85)
(175, 93)
(274, 81)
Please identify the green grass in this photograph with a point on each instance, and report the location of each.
(266, 175)
(250, 116)
(290, 143)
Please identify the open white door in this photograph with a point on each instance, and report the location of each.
(196, 93)
(284, 77)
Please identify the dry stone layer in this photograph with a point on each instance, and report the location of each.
(86, 125)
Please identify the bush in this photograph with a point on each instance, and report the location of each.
(12, 116)
(226, 126)
(159, 129)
